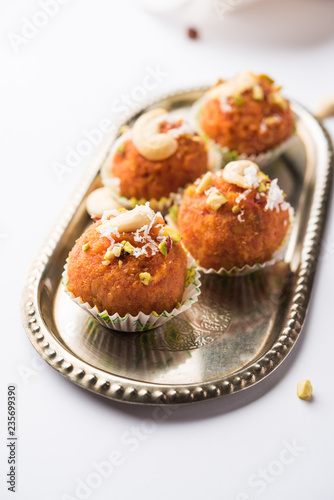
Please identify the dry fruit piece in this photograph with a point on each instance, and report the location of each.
(304, 389)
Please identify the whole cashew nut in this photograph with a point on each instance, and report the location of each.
(325, 108)
(243, 173)
(131, 220)
(237, 85)
(100, 200)
(149, 141)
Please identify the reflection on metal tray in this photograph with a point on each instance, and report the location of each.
(240, 330)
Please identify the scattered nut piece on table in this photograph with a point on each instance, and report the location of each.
(304, 389)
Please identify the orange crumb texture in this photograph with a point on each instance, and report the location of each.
(119, 289)
(143, 178)
(247, 125)
(219, 239)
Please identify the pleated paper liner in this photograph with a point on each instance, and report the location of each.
(222, 155)
(161, 205)
(142, 321)
(277, 256)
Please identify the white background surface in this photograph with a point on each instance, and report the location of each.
(63, 81)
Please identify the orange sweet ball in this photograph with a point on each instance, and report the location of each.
(146, 280)
(144, 178)
(254, 121)
(247, 228)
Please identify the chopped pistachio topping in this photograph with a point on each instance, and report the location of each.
(163, 248)
(233, 155)
(304, 389)
(128, 248)
(145, 278)
(123, 129)
(277, 98)
(238, 100)
(86, 247)
(173, 212)
(108, 255)
(216, 199)
(272, 120)
(262, 188)
(117, 251)
(174, 235)
(236, 209)
(262, 176)
(258, 93)
(133, 202)
(121, 149)
(206, 183)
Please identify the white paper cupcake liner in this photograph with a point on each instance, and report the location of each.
(221, 156)
(143, 321)
(277, 256)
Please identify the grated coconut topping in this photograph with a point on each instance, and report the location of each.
(141, 235)
(242, 196)
(250, 174)
(275, 198)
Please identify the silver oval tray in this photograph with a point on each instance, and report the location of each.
(240, 330)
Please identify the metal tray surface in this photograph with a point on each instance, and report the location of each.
(240, 330)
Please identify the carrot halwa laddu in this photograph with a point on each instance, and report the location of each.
(234, 217)
(128, 262)
(247, 114)
(160, 157)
